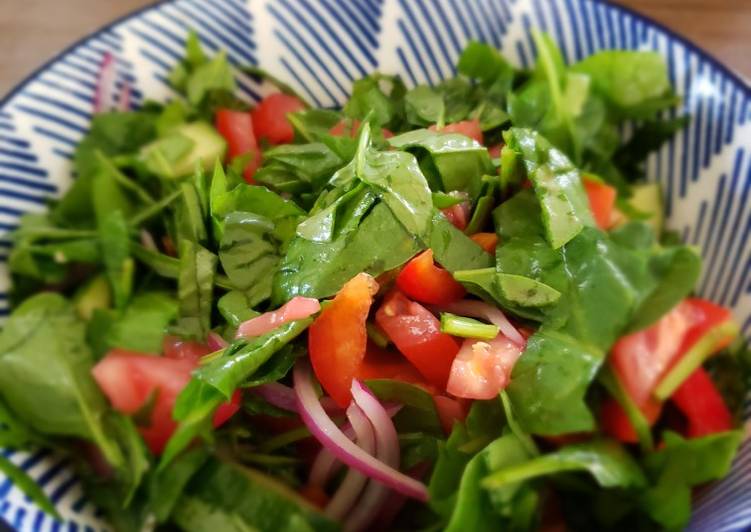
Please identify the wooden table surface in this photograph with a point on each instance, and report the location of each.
(32, 31)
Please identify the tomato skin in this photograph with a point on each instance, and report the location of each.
(425, 282)
(177, 348)
(417, 334)
(237, 129)
(487, 241)
(380, 363)
(601, 202)
(458, 215)
(449, 411)
(270, 117)
(131, 379)
(482, 369)
(702, 404)
(615, 423)
(350, 128)
(468, 128)
(337, 339)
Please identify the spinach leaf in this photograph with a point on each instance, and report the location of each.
(549, 383)
(167, 486)
(452, 249)
(298, 168)
(557, 184)
(607, 461)
(635, 83)
(647, 138)
(460, 161)
(418, 413)
(379, 97)
(190, 219)
(680, 465)
(235, 307)
(249, 255)
(140, 326)
(45, 374)
(27, 485)
(195, 290)
(114, 237)
(251, 499)
(318, 269)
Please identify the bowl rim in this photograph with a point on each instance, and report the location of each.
(731, 73)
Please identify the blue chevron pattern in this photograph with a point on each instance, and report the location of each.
(321, 46)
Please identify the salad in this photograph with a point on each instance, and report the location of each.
(450, 307)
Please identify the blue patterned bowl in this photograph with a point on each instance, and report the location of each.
(319, 47)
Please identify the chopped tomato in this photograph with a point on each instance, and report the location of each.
(296, 308)
(642, 359)
(615, 422)
(495, 150)
(270, 117)
(237, 129)
(417, 334)
(350, 128)
(380, 363)
(131, 381)
(177, 348)
(449, 411)
(487, 241)
(422, 280)
(482, 369)
(705, 409)
(458, 215)
(315, 495)
(337, 338)
(468, 128)
(601, 201)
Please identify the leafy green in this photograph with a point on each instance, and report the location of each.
(557, 185)
(28, 485)
(195, 289)
(115, 242)
(418, 413)
(167, 486)
(378, 97)
(607, 461)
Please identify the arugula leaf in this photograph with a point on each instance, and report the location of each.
(195, 289)
(557, 184)
(114, 236)
(42, 348)
(607, 461)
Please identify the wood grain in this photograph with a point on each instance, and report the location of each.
(33, 31)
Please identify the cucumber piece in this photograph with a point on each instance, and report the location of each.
(176, 154)
(96, 294)
(647, 198)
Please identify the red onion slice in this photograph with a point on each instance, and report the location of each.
(215, 342)
(479, 309)
(326, 464)
(281, 396)
(331, 437)
(104, 91)
(123, 100)
(354, 482)
(387, 451)
(297, 308)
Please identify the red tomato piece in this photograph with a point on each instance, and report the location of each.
(482, 369)
(495, 150)
(130, 380)
(705, 409)
(642, 358)
(337, 338)
(380, 363)
(458, 215)
(422, 280)
(615, 422)
(177, 348)
(468, 128)
(296, 308)
(601, 201)
(449, 411)
(270, 117)
(487, 241)
(350, 128)
(417, 334)
(237, 129)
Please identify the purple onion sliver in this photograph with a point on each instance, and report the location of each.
(387, 450)
(215, 342)
(105, 84)
(354, 482)
(124, 97)
(330, 436)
